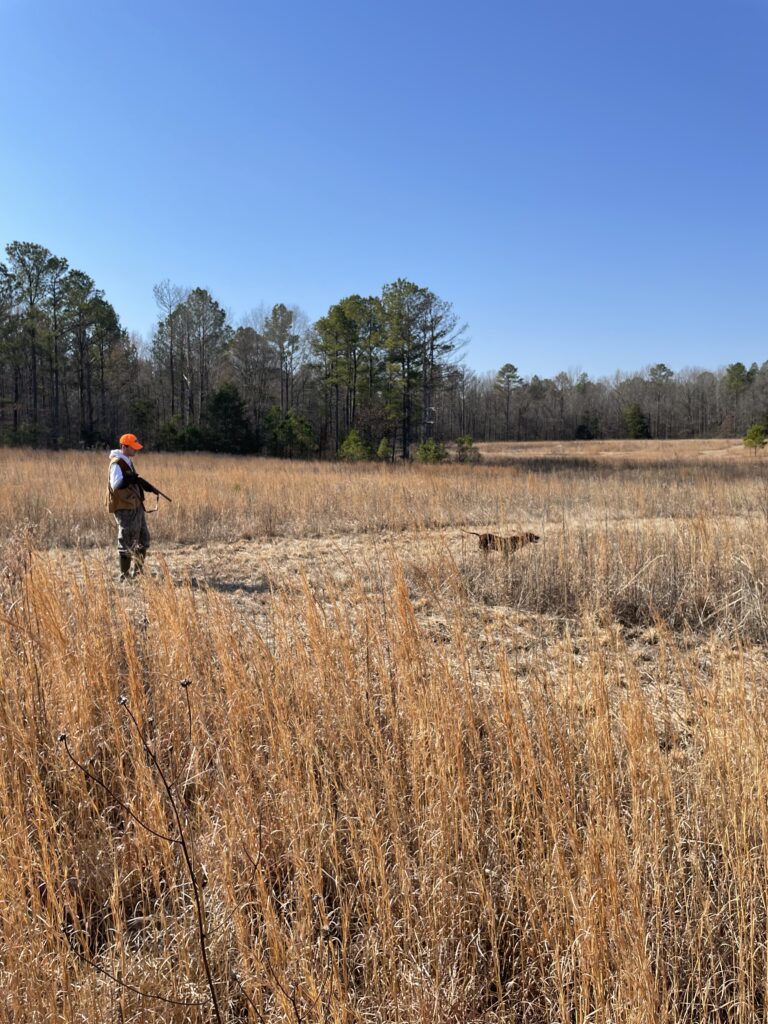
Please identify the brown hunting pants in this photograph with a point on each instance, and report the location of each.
(132, 532)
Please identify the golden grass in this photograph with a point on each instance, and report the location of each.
(229, 499)
(446, 787)
(689, 450)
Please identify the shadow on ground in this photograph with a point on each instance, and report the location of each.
(227, 586)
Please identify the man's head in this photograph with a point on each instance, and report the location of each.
(129, 444)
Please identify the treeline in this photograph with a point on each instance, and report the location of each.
(375, 375)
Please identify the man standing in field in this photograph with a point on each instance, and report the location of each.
(126, 502)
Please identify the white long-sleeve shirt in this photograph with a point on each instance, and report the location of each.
(115, 473)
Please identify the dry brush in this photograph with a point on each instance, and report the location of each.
(385, 820)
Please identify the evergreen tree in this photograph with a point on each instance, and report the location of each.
(353, 448)
(465, 449)
(281, 335)
(507, 382)
(289, 435)
(385, 450)
(755, 437)
(431, 451)
(636, 422)
(225, 423)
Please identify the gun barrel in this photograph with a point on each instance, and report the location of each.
(151, 488)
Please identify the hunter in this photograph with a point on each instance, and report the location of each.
(126, 501)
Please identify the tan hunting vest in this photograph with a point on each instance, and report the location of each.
(124, 497)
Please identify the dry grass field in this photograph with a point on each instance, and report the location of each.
(329, 762)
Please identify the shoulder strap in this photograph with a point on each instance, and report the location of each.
(124, 467)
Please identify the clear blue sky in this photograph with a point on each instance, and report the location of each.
(585, 180)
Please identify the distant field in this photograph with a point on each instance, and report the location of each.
(415, 782)
(727, 448)
(62, 495)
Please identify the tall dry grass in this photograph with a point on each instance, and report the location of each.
(673, 540)
(228, 498)
(389, 821)
(384, 830)
(702, 574)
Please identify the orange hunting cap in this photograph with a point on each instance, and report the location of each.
(131, 441)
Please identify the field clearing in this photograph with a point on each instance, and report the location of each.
(329, 761)
(688, 450)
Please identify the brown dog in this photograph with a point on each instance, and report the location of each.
(493, 542)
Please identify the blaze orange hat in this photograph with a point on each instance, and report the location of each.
(131, 441)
